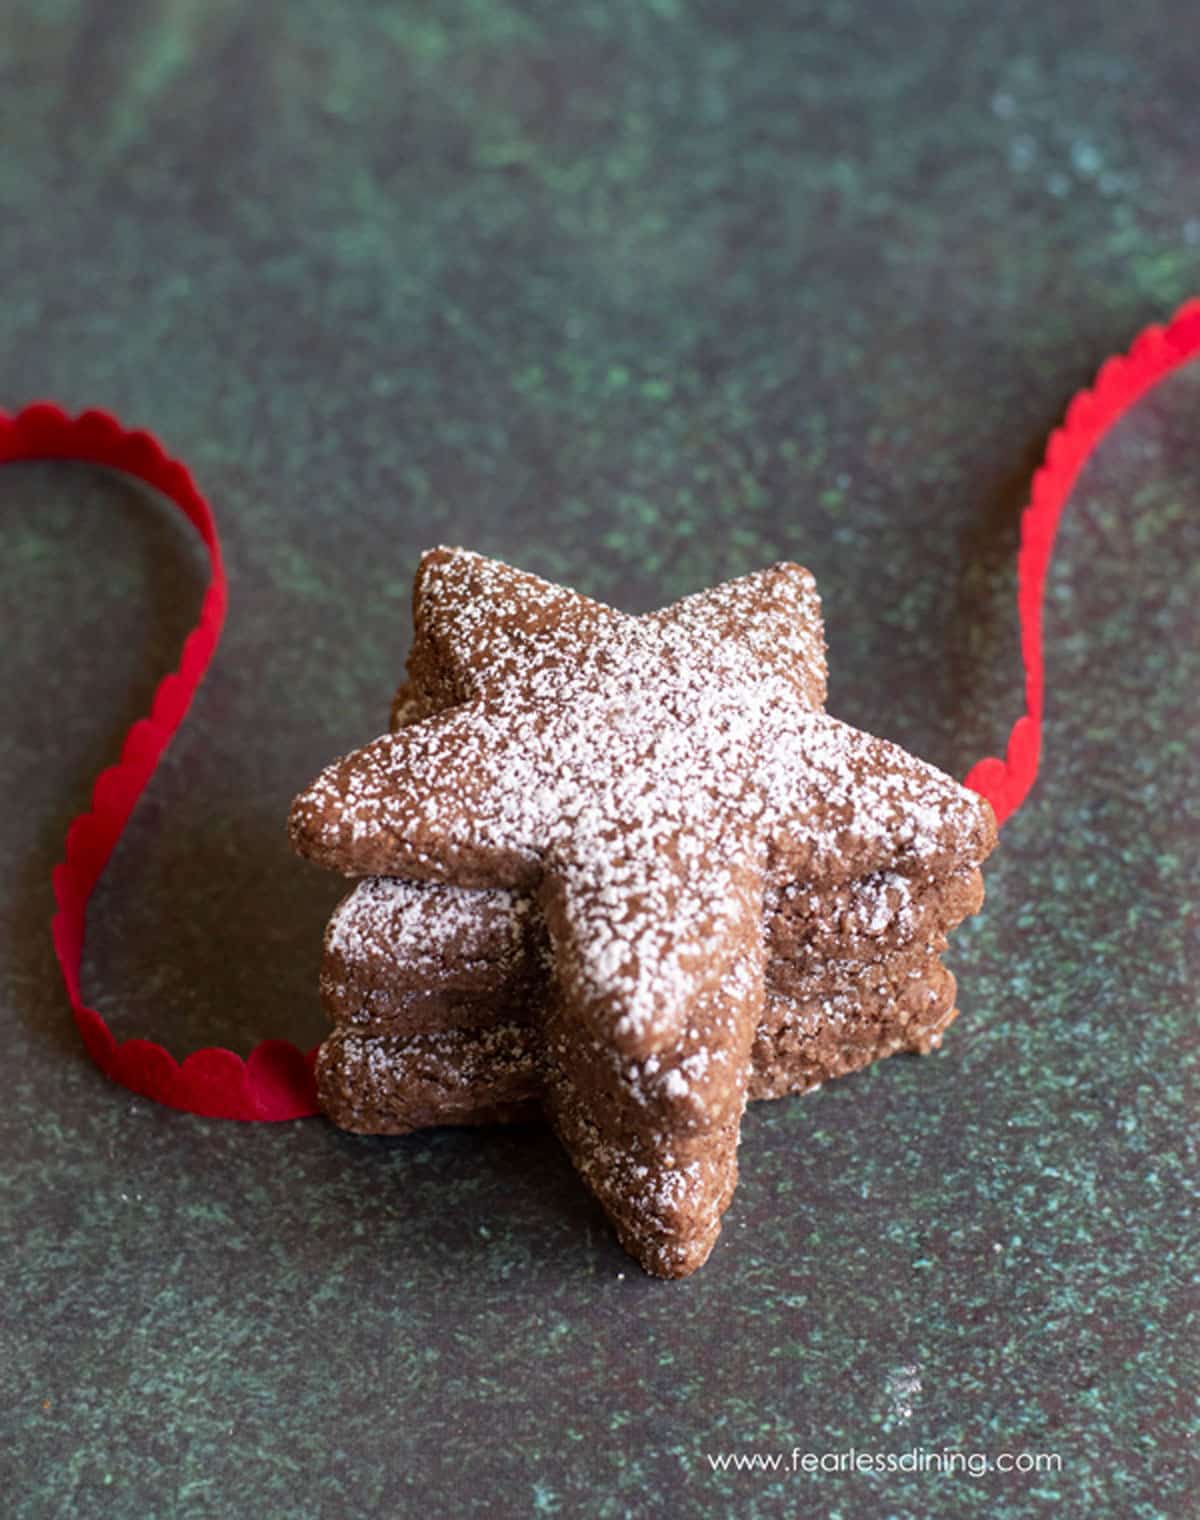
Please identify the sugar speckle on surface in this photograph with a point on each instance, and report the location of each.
(657, 818)
(660, 769)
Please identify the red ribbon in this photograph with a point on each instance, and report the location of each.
(275, 1081)
(1120, 385)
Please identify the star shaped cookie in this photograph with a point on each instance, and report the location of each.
(657, 800)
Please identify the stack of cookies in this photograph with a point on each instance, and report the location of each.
(625, 872)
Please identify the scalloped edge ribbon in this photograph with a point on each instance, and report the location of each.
(276, 1080)
(1120, 384)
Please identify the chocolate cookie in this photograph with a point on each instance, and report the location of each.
(700, 851)
(812, 1028)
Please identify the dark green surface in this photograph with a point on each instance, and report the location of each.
(639, 295)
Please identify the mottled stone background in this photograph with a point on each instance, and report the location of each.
(640, 294)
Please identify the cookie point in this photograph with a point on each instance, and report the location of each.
(298, 823)
(308, 827)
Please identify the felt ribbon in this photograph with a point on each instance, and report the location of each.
(275, 1081)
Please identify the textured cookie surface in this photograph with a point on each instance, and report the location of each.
(660, 861)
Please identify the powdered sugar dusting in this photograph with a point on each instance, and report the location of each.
(651, 767)
(417, 920)
(646, 806)
(884, 902)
